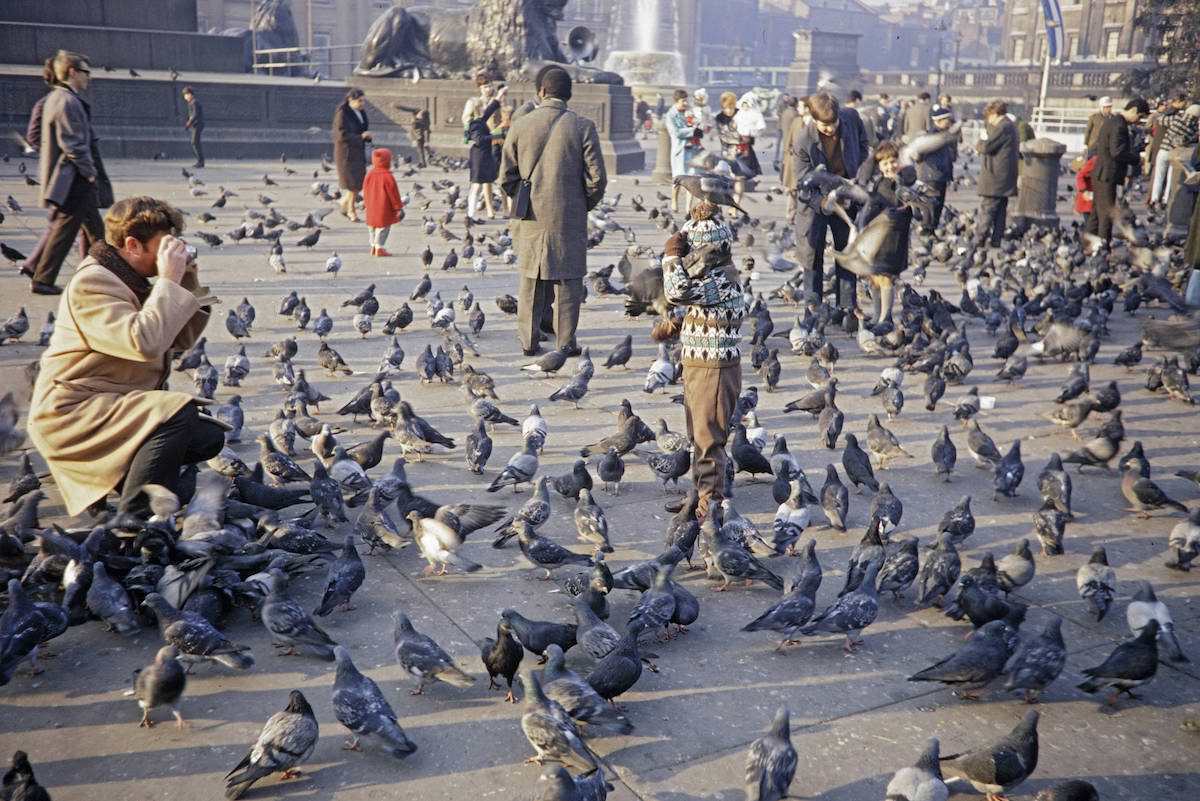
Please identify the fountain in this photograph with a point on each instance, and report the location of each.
(644, 44)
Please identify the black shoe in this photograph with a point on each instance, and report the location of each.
(575, 350)
(28, 273)
(38, 288)
(198, 164)
(532, 351)
(673, 507)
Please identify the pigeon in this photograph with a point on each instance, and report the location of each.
(1037, 661)
(1144, 495)
(1000, 766)
(1184, 542)
(922, 781)
(851, 613)
(940, 570)
(958, 522)
(899, 568)
(345, 576)
(439, 544)
(161, 683)
(620, 354)
(835, 499)
(620, 669)
(108, 600)
(290, 624)
(195, 637)
(19, 782)
(548, 364)
(981, 447)
(1097, 583)
(973, 666)
(578, 698)
(520, 469)
(883, 443)
(1070, 790)
(611, 469)
(943, 454)
(858, 466)
(502, 657)
(424, 658)
(790, 613)
(360, 706)
(571, 484)
(771, 762)
(287, 740)
(590, 521)
(1008, 472)
(479, 448)
(1131, 664)
(1016, 569)
(1144, 607)
(661, 371)
(592, 634)
(543, 552)
(552, 733)
(1054, 485)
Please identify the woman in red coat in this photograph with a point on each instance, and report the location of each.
(1083, 188)
(381, 199)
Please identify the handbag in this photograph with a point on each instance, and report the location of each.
(522, 207)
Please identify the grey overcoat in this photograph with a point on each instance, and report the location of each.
(66, 145)
(568, 180)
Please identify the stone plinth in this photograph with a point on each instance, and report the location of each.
(121, 48)
(607, 105)
(1037, 186)
(147, 15)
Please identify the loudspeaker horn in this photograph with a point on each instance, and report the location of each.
(581, 44)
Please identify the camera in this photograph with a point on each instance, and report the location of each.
(191, 253)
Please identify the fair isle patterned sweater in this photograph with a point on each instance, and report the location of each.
(703, 282)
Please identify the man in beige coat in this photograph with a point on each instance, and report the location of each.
(558, 152)
(101, 415)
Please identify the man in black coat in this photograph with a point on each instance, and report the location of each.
(351, 132)
(194, 124)
(1115, 155)
(836, 141)
(997, 173)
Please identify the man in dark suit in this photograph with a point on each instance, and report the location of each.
(997, 173)
(194, 124)
(1115, 155)
(837, 141)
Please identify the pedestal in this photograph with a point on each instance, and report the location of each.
(1037, 186)
(662, 158)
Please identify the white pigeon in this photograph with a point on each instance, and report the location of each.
(661, 372)
(479, 264)
(333, 263)
(277, 263)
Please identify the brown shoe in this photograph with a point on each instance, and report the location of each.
(38, 288)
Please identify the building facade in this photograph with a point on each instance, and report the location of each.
(1099, 30)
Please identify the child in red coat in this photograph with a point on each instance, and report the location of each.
(1083, 188)
(381, 198)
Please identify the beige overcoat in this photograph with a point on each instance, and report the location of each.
(101, 389)
(787, 171)
(567, 181)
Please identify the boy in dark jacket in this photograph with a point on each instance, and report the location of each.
(936, 170)
(698, 275)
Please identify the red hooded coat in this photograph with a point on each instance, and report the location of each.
(381, 196)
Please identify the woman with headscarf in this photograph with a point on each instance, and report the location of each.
(738, 123)
(350, 137)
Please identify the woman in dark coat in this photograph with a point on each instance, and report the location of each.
(482, 161)
(350, 137)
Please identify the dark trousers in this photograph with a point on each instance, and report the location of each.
(709, 398)
(422, 151)
(187, 437)
(1104, 209)
(197, 146)
(993, 213)
(32, 259)
(534, 308)
(938, 205)
(810, 252)
(77, 212)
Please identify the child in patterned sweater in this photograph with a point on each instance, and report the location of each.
(699, 276)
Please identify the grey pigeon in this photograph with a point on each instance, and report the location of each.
(578, 698)
(19, 782)
(290, 623)
(835, 499)
(360, 706)
(550, 730)
(420, 656)
(999, 767)
(852, 612)
(790, 612)
(562, 786)
(771, 762)
(538, 635)
(107, 600)
(345, 576)
(974, 665)
(922, 781)
(1037, 661)
(161, 683)
(1131, 664)
(1016, 569)
(1070, 790)
(1097, 583)
(502, 657)
(195, 637)
(287, 740)
(1144, 607)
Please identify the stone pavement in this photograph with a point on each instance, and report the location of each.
(855, 718)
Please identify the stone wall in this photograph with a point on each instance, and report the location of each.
(150, 15)
(121, 48)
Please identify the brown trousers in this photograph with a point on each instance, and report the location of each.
(709, 397)
(533, 306)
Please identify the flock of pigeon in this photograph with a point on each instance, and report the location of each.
(242, 531)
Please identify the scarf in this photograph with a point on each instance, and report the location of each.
(108, 258)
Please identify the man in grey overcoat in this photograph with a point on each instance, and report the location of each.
(67, 169)
(558, 152)
(997, 180)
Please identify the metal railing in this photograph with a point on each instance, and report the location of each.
(1067, 125)
(327, 61)
(717, 75)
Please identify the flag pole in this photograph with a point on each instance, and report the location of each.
(1045, 77)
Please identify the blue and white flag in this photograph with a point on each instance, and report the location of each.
(1054, 28)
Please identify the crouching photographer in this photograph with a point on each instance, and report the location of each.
(101, 414)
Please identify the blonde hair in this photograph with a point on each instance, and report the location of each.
(140, 217)
(64, 60)
(728, 99)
